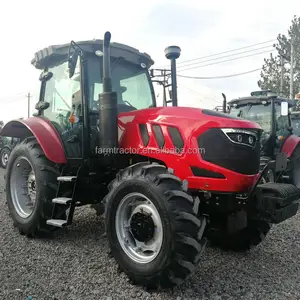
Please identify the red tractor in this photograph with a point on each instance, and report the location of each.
(98, 138)
(272, 114)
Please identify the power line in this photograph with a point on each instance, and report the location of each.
(198, 93)
(12, 100)
(12, 96)
(219, 77)
(225, 56)
(219, 62)
(224, 52)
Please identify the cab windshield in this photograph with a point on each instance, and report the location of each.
(296, 125)
(262, 114)
(131, 82)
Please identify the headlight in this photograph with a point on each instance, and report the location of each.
(241, 136)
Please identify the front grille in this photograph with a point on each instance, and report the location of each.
(226, 149)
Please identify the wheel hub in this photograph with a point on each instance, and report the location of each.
(139, 228)
(5, 159)
(31, 186)
(142, 227)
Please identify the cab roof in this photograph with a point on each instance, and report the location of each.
(49, 56)
(259, 99)
(295, 113)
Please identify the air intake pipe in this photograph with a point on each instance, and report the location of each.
(172, 53)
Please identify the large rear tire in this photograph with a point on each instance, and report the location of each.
(243, 240)
(295, 174)
(152, 226)
(31, 184)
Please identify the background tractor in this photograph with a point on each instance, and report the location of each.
(99, 138)
(6, 146)
(272, 114)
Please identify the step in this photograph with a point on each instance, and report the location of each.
(67, 178)
(57, 222)
(62, 200)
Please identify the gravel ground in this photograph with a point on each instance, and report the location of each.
(75, 265)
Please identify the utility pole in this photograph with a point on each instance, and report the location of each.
(292, 70)
(28, 105)
(282, 75)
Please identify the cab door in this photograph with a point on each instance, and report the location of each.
(65, 111)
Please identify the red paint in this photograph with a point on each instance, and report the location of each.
(191, 122)
(290, 144)
(44, 132)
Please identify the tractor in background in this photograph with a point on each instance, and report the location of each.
(168, 178)
(272, 114)
(6, 146)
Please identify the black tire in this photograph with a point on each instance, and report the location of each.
(4, 151)
(243, 240)
(46, 173)
(295, 173)
(183, 241)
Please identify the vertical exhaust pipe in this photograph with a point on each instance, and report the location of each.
(172, 53)
(224, 103)
(108, 113)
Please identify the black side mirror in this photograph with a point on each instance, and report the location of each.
(72, 62)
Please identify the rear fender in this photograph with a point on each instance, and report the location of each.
(290, 144)
(43, 131)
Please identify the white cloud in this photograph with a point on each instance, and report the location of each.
(28, 26)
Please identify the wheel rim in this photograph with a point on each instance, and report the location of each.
(23, 187)
(139, 228)
(269, 177)
(4, 158)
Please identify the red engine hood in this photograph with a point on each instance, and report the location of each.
(188, 117)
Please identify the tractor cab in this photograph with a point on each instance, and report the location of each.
(270, 112)
(73, 77)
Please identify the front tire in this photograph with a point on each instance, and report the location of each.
(169, 246)
(31, 184)
(295, 174)
(4, 156)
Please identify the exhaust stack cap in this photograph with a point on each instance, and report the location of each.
(172, 52)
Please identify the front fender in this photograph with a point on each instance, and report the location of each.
(44, 132)
(290, 144)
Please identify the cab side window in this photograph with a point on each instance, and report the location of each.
(64, 95)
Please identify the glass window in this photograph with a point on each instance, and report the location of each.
(238, 112)
(282, 122)
(296, 125)
(131, 82)
(261, 114)
(64, 95)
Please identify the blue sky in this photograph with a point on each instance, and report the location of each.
(199, 28)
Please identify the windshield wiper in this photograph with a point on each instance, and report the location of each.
(240, 114)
